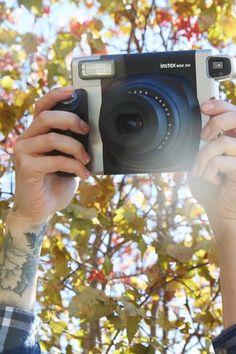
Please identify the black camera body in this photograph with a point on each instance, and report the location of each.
(144, 109)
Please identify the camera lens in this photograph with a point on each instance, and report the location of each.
(145, 122)
(129, 123)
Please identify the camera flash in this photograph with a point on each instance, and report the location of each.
(95, 69)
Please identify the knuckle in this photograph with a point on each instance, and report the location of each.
(37, 104)
(24, 165)
(53, 92)
(42, 118)
(60, 161)
(18, 149)
(65, 164)
(51, 138)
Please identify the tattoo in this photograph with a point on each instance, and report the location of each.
(18, 268)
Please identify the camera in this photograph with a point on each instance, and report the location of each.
(144, 109)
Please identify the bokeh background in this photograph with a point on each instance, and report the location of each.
(130, 266)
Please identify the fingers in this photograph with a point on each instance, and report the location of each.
(39, 166)
(48, 142)
(223, 145)
(39, 139)
(48, 120)
(225, 122)
(219, 164)
(219, 155)
(223, 118)
(52, 98)
(215, 107)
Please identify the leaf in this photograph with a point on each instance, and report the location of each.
(131, 309)
(65, 43)
(180, 252)
(80, 212)
(29, 43)
(7, 82)
(132, 327)
(142, 246)
(7, 36)
(91, 304)
(228, 24)
(89, 193)
(58, 327)
(107, 265)
(207, 18)
(119, 322)
(33, 5)
(111, 6)
(139, 349)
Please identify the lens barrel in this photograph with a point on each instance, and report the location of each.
(144, 121)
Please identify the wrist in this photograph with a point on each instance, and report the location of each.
(15, 217)
(223, 228)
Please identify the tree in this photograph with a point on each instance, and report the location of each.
(130, 265)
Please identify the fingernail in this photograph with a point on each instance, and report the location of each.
(84, 126)
(67, 89)
(205, 133)
(86, 158)
(87, 174)
(207, 106)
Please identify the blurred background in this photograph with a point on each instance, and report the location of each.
(130, 266)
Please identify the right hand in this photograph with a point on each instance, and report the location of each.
(39, 191)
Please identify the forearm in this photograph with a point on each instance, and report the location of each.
(225, 235)
(19, 258)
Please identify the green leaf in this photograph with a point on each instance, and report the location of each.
(80, 212)
(58, 327)
(139, 349)
(33, 5)
(132, 327)
(107, 265)
(180, 252)
(64, 45)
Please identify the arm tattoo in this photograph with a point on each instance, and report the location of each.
(18, 268)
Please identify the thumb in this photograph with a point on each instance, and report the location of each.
(52, 98)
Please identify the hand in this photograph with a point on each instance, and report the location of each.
(39, 191)
(214, 171)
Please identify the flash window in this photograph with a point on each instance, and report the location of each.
(96, 69)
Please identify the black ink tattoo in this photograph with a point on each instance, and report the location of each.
(18, 267)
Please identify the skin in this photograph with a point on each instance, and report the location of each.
(40, 193)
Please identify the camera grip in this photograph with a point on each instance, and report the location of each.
(78, 104)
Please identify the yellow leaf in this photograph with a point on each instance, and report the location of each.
(7, 82)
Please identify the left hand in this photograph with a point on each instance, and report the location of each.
(213, 180)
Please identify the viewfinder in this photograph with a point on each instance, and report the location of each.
(217, 64)
(219, 67)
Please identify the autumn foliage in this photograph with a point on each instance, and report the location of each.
(130, 265)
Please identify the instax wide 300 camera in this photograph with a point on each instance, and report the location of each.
(144, 109)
